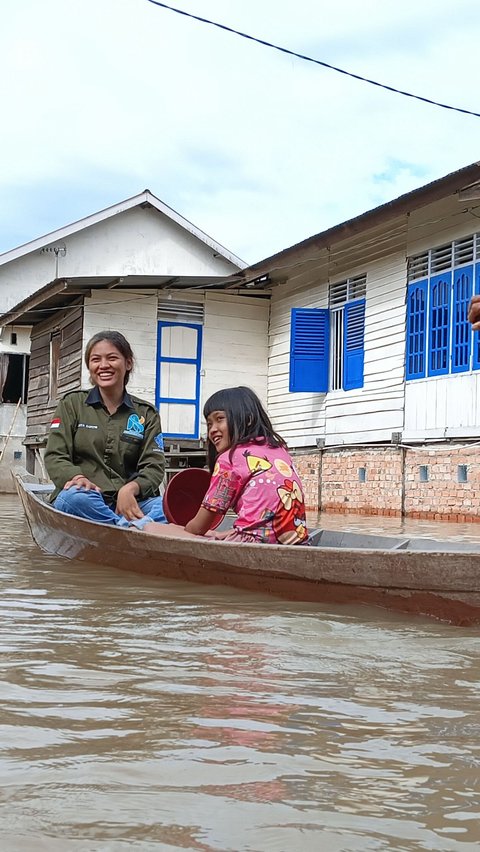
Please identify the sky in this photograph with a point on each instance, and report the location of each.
(101, 99)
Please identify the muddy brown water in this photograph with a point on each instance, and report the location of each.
(137, 714)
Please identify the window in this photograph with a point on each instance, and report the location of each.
(440, 285)
(309, 350)
(347, 311)
(327, 346)
(55, 346)
(14, 377)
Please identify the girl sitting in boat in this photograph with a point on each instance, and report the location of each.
(252, 473)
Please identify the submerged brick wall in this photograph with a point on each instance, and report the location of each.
(439, 483)
(432, 486)
(367, 481)
(309, 466)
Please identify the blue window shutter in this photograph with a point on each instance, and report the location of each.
(416, 330)
(461, 331)
(476, 334)
(439, 324)
(309, 350)
(353, 344)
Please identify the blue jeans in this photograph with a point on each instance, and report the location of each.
(92, 506)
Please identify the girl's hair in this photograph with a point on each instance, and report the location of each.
(116, 339)
(247, 420)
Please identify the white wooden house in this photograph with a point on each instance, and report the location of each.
(141, 268)
(371, 357)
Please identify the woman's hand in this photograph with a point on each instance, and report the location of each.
(81, 481)
(126, 502)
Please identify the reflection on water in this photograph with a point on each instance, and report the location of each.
(150, 715)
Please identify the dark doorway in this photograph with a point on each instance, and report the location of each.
(16, 382)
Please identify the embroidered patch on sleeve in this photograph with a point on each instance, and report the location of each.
(56, 422)
(159, 441)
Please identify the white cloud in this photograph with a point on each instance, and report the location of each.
(257, 148)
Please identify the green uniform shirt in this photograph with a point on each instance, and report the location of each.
(109, 449)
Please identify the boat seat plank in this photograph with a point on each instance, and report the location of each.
(364, 541)
(39, 488)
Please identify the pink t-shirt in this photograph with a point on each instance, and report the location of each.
(261, 484)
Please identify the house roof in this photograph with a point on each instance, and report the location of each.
(65, 292)
(257, 274)
(145, 198)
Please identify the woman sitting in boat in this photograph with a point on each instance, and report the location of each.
(252, 473)
(105, 448)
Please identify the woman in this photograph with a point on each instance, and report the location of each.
(105, 449)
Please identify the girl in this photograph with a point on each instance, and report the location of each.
(105, 447)
(252, 473)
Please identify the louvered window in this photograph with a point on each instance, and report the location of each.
(173, 310)
(347, 332)
(418, 266)
(353, 350)
(346, 291)
(441, 258)
(330, 342)
(441, 283)
(309, 350)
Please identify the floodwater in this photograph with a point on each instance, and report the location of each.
(137, 714)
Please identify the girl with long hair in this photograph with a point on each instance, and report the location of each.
(252, 473)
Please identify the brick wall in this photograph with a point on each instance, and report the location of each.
(420, 483)
(367, 481)
(442, 496)
(308, 466)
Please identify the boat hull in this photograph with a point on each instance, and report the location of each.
(443, 585)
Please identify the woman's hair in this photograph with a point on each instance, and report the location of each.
(247, 420)
(118, 340)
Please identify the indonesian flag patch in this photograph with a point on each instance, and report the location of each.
(56, 422)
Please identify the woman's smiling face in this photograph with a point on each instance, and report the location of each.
(108, 367)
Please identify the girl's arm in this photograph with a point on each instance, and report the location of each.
(202, 522)
(225, 486)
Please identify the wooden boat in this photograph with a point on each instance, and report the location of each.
(413, 575)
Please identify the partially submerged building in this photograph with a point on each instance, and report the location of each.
(373, 369)
(357, 338)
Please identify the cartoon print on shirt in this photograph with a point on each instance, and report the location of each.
(283, 467)
(225, 490)
(256, 464)
(290, 518)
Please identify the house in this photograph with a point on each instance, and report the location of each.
(141, 268)
(357, 338)
(373, 370)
